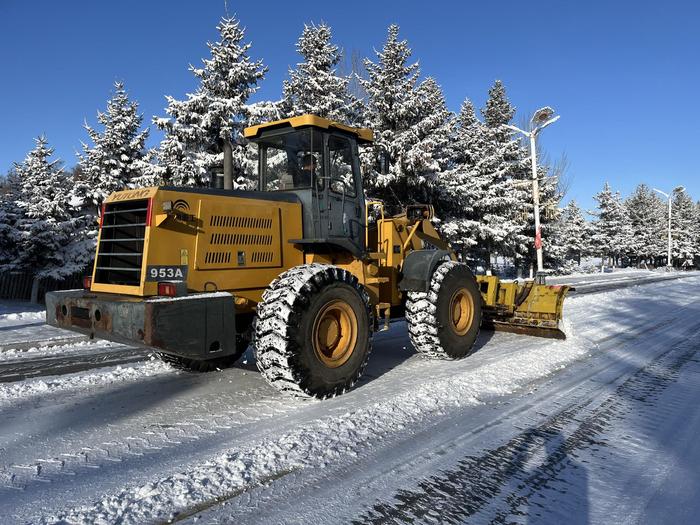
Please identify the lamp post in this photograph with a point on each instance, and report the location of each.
(540, 120)
(669, 196)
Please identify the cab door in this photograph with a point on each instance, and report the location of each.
(345, 199)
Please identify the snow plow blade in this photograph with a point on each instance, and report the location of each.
(529, 308)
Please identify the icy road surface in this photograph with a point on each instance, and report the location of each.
(600, 428)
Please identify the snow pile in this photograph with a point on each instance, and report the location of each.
(80, 381)
(325, 440)
(23, 316)
(12, 354)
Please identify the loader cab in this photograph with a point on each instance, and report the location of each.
(317, 160)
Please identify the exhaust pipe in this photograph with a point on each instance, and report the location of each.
(228, 165)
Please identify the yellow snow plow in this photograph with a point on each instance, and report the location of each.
(301, 268)
(528, 308)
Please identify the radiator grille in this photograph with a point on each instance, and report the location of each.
(120, 252)
(262, 257)
(217, 258)
(236, 221)
(232, 241)
(238, 239)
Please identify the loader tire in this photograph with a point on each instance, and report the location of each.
(313, 333)
(444, 322)
(206, 365)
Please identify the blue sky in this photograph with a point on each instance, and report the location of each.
(624, 76)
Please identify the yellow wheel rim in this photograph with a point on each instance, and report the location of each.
(461, 311)
(335, 333)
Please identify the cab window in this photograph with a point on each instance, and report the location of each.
(292, 161)
(342, 179)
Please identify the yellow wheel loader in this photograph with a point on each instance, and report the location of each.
(304, 268)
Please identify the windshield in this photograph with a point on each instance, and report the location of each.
(292, 160)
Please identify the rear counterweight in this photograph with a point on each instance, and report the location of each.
(199, 326)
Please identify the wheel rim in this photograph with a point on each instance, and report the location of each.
(461, 311)
(335, 333)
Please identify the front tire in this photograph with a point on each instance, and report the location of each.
(444, 322)
(313, 334)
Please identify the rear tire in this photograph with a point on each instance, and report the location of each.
(313, 333)
(444, 322)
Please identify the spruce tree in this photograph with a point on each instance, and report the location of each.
(411, 127)
(498, 110)
(648, 225)
(9, 215)
(196, 128)
(611, 230)
(504, 203)
(112, 162)
(46, 225)
(315, 86)
(683, 228)
(576, 233)
(458, 183)
(427, 152)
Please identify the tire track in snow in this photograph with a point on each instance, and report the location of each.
(463, 492)
(558, 395)
(21, 369)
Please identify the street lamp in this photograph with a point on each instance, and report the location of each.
(669, 196)
(540, 119)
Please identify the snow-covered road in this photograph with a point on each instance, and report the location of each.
(599, 428)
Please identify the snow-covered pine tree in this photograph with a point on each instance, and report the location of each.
(648, 225)
(576, 233)
(215, 112)
(458, 183)
(611, 230)
(411, 127)
(46, 226)
(427, 150)
(504, 202)
(112, 161)
(391, 100)
(315, 86)
(9, 214)
(697, 233)
(683, 228)
(556, 256)
(498, 110)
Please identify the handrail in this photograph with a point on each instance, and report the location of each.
(380, 223)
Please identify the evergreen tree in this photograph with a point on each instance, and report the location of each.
(460, 224)
(576, 233)
(498, 110)
(411, 127)
(217, 111)
(683, 227)
(46, 225)
(696, 235)
(611, 230)
(504, 201)
(113, 160)
(9, 215)
(647, 217)
(315, 86)
(428, 150)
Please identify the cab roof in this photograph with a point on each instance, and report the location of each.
(364, 135)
